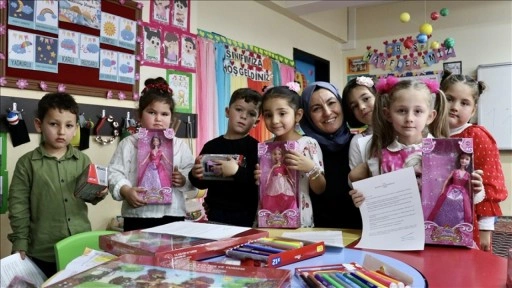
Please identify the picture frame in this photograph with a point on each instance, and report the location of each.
(357, 65)
(454, 67)
(181, 85)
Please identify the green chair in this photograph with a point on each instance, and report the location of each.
(73, 246)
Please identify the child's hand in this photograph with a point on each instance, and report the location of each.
(297, 161)
(485, 240)
(357, 197)
(102, 193)
(197, 169)
(359, 172)
(131, 194)
(476, 181)
(257, 174)
(178, 180)
(227, 167)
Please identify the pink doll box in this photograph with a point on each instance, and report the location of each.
(447, 197)
(155, 164)
(279, 192)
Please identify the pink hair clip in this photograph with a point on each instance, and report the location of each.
(384, 85)
(294, 86)
(364, 81)
(432, 85)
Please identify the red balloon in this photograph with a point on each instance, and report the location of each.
(434, 16)
(408, 43)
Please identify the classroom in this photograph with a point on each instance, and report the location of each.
(482, 31)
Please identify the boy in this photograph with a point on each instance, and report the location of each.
(42, 207)
(233, 202)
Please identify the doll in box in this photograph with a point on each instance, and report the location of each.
(454, 203)
(279, 194)
(155, 175)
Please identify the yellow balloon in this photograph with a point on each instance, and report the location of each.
(405, 17)
(435, 45)
(426, 29)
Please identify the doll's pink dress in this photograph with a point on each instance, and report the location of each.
(279, 195)
(453, 205)
(154, 175)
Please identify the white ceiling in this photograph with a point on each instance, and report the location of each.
(306, 7)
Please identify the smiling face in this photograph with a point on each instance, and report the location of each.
(361, 102)
(325, 111)
(280, 118)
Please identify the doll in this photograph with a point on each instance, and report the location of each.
(454, 203)
(279, 194)
(154, 175)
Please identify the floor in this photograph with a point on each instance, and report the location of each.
(502, 236)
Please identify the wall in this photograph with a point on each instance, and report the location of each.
(482, 33)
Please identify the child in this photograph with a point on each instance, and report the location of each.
(281, 113)
(462, 93)
(233, 202)
(42, 207)
(357, 103)
(156, 107)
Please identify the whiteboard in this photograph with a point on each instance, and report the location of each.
(495, 104)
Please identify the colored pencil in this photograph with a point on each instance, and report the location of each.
(274, 244)
(346, 280)
(243, 249)
(386, 282)
(369, 279)
(263, 248)
(296, 244)
(390, 278)
(243, 255)
(355, 280)
(332, 281)
(362, 280)
(323, 281)
(307, 279)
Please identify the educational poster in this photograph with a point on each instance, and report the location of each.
(155, 164)
(126, 68)
(21, 13)
(109, 32)
(181, 85)
(181, 14)
(46, 54)
(171, 47)
(46, 16)
(128, 30)
(69, 42)
(188, 51)
(108, 66)
(20, 49)
(81, 12)
(151, 48)
(89, 50)
(160, 12)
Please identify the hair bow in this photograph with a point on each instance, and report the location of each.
(294, 86)
(364, 81)
(384, 85)
(432, 85)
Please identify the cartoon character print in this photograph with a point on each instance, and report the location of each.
(152, 44)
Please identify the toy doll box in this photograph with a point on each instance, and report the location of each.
(447, 197)
(209, 164)
(166, 248)
(155, 164)
(279, 191)
(275, 252)
(133, 271)
(92, 180)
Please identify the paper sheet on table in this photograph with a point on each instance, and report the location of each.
(330, 238)
(198, 230)
(13, 265)
(89, 259)
(391, 212)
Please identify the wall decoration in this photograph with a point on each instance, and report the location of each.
(47, 16)
(181, 14)
(188, 51)
(357, 65)
(171, 47)
(85, 13)
(181, 85)
(68, 47)
(21, 14)
(454, 67)
(152, 38)
(160, 11)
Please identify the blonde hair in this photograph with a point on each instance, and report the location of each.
(383, 132)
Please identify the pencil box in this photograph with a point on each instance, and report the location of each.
(92, 180)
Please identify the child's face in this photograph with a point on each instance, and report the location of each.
(410, 113)
(156, 115)
(57, 128)
(461, 104)
(325, 111)
(280, 118)
(242, 117)
(361, 102)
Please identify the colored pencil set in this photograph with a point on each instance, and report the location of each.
(262, 249)
(346, 276)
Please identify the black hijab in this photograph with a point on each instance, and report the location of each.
(332, 142)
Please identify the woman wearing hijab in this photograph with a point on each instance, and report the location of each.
(323, 120)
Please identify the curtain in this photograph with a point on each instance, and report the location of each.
(223, 87)
(206, 96)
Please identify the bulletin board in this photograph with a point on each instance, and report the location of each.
(77, 79)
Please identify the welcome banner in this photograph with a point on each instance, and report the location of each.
(241, 62)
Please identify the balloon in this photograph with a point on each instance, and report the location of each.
(13, 118)
(408, 43)
(449, 42)
(434, 16)
(405, 17)
(444, 12)
(435, 45)
(422, 38)
(426, 29)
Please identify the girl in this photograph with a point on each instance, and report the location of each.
(281, 113)
(462, 93)
(357, 104)
(156, 107)
(279, 191)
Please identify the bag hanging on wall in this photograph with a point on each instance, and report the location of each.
(17, 129)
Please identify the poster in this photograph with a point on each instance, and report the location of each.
(181, 85)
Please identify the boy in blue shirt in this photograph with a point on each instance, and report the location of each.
(233, 202)
(42, 207)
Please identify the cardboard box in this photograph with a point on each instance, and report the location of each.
(209, 164)
(168, 249)
(133, 271)
(93, 179)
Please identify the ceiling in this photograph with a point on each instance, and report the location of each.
(300, 8)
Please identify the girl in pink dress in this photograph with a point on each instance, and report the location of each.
(280, 189)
